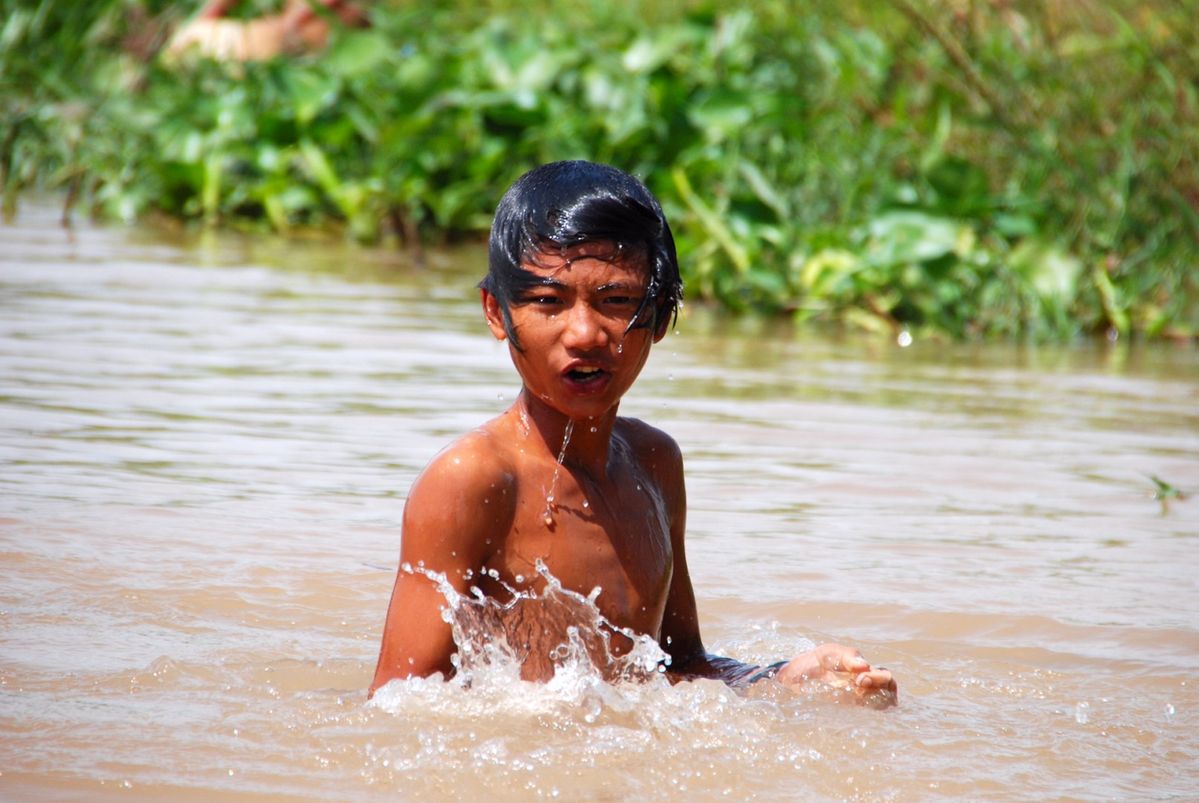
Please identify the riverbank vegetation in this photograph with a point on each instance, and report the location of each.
(967, 168)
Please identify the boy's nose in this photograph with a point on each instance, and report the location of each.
(584, 329)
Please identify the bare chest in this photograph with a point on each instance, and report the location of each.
(613, 535)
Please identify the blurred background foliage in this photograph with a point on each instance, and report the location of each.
(964, 168)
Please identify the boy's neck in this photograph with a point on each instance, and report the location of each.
(589, 441)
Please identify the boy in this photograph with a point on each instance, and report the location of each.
(582, 280)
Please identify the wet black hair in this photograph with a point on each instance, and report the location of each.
(564, 204)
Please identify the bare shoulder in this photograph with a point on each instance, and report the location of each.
(655, 450)
(474, 468)
(462, 500)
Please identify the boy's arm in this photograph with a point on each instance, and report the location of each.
(680, 621)
(456, 513)
(831, 663)
(679, 637)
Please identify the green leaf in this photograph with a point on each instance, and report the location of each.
(824, 272)
(310, 93)
(356, 53)
(712, 222)
(721, 114)
(765, 191)
(1051, 272)
(320, 168)
(1115, 310)
(902, 237)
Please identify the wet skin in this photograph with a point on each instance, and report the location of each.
(618, 509)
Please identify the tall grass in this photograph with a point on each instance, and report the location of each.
(972, 168)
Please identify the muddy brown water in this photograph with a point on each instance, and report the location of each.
(205, 444)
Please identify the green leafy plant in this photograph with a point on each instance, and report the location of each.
(1022, 169)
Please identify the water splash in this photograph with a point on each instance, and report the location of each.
(548, 515)
(596, 705)
(553, 635)
(596, 710)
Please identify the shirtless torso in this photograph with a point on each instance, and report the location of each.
(609, 528)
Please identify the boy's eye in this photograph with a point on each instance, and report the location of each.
(622, 301)
(539, 300)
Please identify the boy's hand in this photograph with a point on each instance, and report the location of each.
(844, 669)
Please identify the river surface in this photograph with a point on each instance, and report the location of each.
(205, 446)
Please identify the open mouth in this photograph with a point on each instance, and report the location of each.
(586, 376)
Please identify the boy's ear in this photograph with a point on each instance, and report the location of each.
(661, 329)
(493, 314)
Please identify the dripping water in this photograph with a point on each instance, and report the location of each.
(550, 507)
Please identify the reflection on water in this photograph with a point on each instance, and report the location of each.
(204, 450)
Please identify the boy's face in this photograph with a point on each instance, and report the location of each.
(577, 353)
